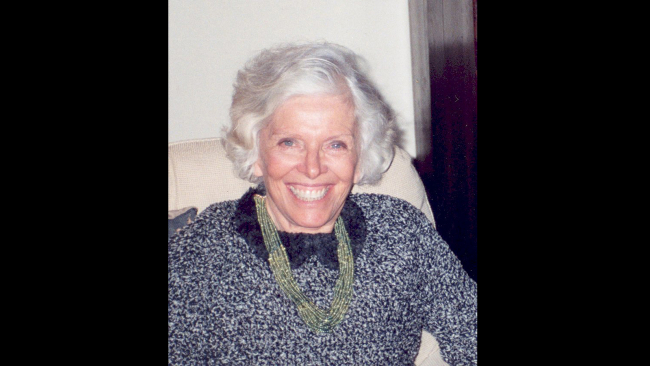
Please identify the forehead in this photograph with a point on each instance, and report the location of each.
(314, 113)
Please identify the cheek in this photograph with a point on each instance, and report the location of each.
(348, 170)
(266, 162)
(274, 166)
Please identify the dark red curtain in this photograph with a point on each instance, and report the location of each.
(449, 172)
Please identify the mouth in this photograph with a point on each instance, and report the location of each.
(309, 195)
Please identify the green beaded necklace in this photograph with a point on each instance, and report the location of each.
(317, 319)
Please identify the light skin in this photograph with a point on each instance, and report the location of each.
(308, 159)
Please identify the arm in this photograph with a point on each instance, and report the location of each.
(449, 300)
(185, 308)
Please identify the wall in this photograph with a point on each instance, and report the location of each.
(210, 40)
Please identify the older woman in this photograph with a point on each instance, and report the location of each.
(299, 271)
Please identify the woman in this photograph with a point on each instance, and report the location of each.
(299, 271)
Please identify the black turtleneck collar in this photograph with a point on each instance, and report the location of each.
(300, 246)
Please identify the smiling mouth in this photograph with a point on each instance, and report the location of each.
(313, 195)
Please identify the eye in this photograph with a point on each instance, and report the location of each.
(287, 142)
(338, 145)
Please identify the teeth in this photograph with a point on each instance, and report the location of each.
(309, 195)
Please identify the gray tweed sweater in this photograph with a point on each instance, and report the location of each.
(225, 307)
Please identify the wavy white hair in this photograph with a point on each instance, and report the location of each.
(279, 73)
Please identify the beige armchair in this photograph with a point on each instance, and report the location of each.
(199, 174)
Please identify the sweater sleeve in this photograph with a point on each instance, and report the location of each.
(182, 308)
(188, 329)
(449, 300)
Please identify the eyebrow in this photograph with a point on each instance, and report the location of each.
(281, 133)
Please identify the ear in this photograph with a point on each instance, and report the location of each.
(258, 170)
(357, 175)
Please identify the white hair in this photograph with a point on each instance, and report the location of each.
(284, 71)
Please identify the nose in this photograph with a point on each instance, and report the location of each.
(313, 165)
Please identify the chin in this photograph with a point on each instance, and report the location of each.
(314, 221)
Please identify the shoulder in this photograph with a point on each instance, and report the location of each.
(400, 224)
(212, 225)
(393, 223)
(380, 207)
(215, 218)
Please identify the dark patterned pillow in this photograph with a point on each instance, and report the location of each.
(176, 219)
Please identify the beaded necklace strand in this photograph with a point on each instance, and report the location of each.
(317, 319)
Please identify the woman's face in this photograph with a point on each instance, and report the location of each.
(308, 160)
